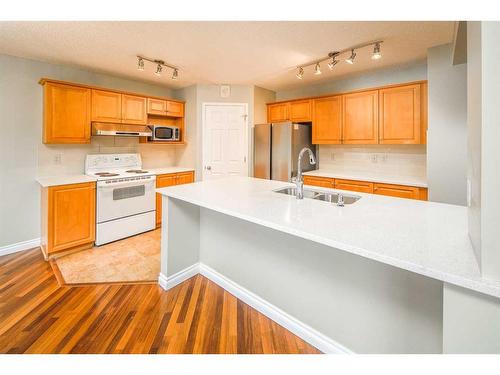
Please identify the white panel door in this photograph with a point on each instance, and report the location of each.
(225, 144)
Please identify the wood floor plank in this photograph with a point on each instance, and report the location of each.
(37, 315)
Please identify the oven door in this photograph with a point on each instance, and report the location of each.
(123, 199)
(164, 133)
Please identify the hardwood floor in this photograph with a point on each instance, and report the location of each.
(39, 316)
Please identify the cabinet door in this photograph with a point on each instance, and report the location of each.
(185, 178)
(71, 216)
(300, 111)
(277, 112)
(362, 186)
(134, 110)
(163, 181)
(400, 115)
(360, 125)
(325, 182)
(106, 106)
(157, 107)
(399, 191)
(175, 109)
(327, 120)
(66, 114)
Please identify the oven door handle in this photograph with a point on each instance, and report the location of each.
(126, 184)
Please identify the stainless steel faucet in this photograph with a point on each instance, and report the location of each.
(299, 183)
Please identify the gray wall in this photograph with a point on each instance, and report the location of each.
(447, 129)
(21, 105)
(393, 75)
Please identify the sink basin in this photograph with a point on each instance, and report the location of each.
(320, 195)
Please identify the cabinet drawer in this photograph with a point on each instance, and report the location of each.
(319, 181)
(399, 191)
(361, 186)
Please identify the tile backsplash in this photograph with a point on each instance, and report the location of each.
(54, 160)
(401, 160)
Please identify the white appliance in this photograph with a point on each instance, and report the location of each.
(126, 199)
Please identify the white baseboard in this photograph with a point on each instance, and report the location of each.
(171, 281)
(20, 246)
(305, 332)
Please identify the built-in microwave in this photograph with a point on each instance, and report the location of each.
(165, 133)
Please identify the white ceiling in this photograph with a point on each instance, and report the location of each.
(260, 53)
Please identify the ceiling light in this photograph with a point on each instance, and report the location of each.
(332, 63)
(140, 63)
(300, 73)
(317, 69)
(159, 68)
(376, 52)
(351, 58)
(175, 74)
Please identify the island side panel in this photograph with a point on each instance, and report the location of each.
(180, 235)
(471, 322)
(361, 304)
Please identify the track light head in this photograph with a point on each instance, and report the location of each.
(376, 52)
(351, 58)
(159, 69)
(175, 74)
(332, 63)
(317, 69)
(140, 63)
(300, 73)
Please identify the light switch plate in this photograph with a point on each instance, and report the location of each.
(225, 91)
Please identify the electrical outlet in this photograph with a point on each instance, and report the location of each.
(57, 159)
(383, 158)
(332, 156)
(374, 158)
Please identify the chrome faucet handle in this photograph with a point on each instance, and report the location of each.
(340, 201)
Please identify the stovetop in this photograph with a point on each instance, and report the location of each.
(115, 166)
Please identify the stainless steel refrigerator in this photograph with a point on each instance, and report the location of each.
(277, 147)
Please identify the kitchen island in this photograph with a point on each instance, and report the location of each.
(367, 277)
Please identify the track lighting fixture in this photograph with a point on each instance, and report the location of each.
(300, 73)
(351, 58)
(317, 69)
(376, 52)
(140, 63)
(159, 68)
(160, 64)
(333, 60)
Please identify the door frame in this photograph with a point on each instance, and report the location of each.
(204, 106)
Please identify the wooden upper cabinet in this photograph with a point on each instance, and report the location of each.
(327, 120)
(66, 113)
(106, 106)
(71, 216)
(300, 111)
(400, 113)
(362, 186)
(175, 109)
(157, 107)
(134, 110)
(278, 112)
(360, 120)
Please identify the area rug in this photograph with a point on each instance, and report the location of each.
(133, 259)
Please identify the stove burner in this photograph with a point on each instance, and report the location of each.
(106, 174)
(136, 171)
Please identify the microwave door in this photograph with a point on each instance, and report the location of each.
(163, 133)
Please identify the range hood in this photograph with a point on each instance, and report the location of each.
(126, 130)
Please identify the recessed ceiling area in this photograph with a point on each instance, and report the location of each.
(257, 53)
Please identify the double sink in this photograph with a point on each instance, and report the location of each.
(321, 195)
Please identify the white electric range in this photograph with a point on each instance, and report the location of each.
(126, 201)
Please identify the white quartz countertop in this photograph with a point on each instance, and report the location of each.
(371, 177)
(427, 238)
(78, 178)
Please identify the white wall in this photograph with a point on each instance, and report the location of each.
(22, 154)
(447, 128)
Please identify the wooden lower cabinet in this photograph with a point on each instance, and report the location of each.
(170, 179)
(319, 181)
(400, 191)
(361, 186)
(68, 217)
